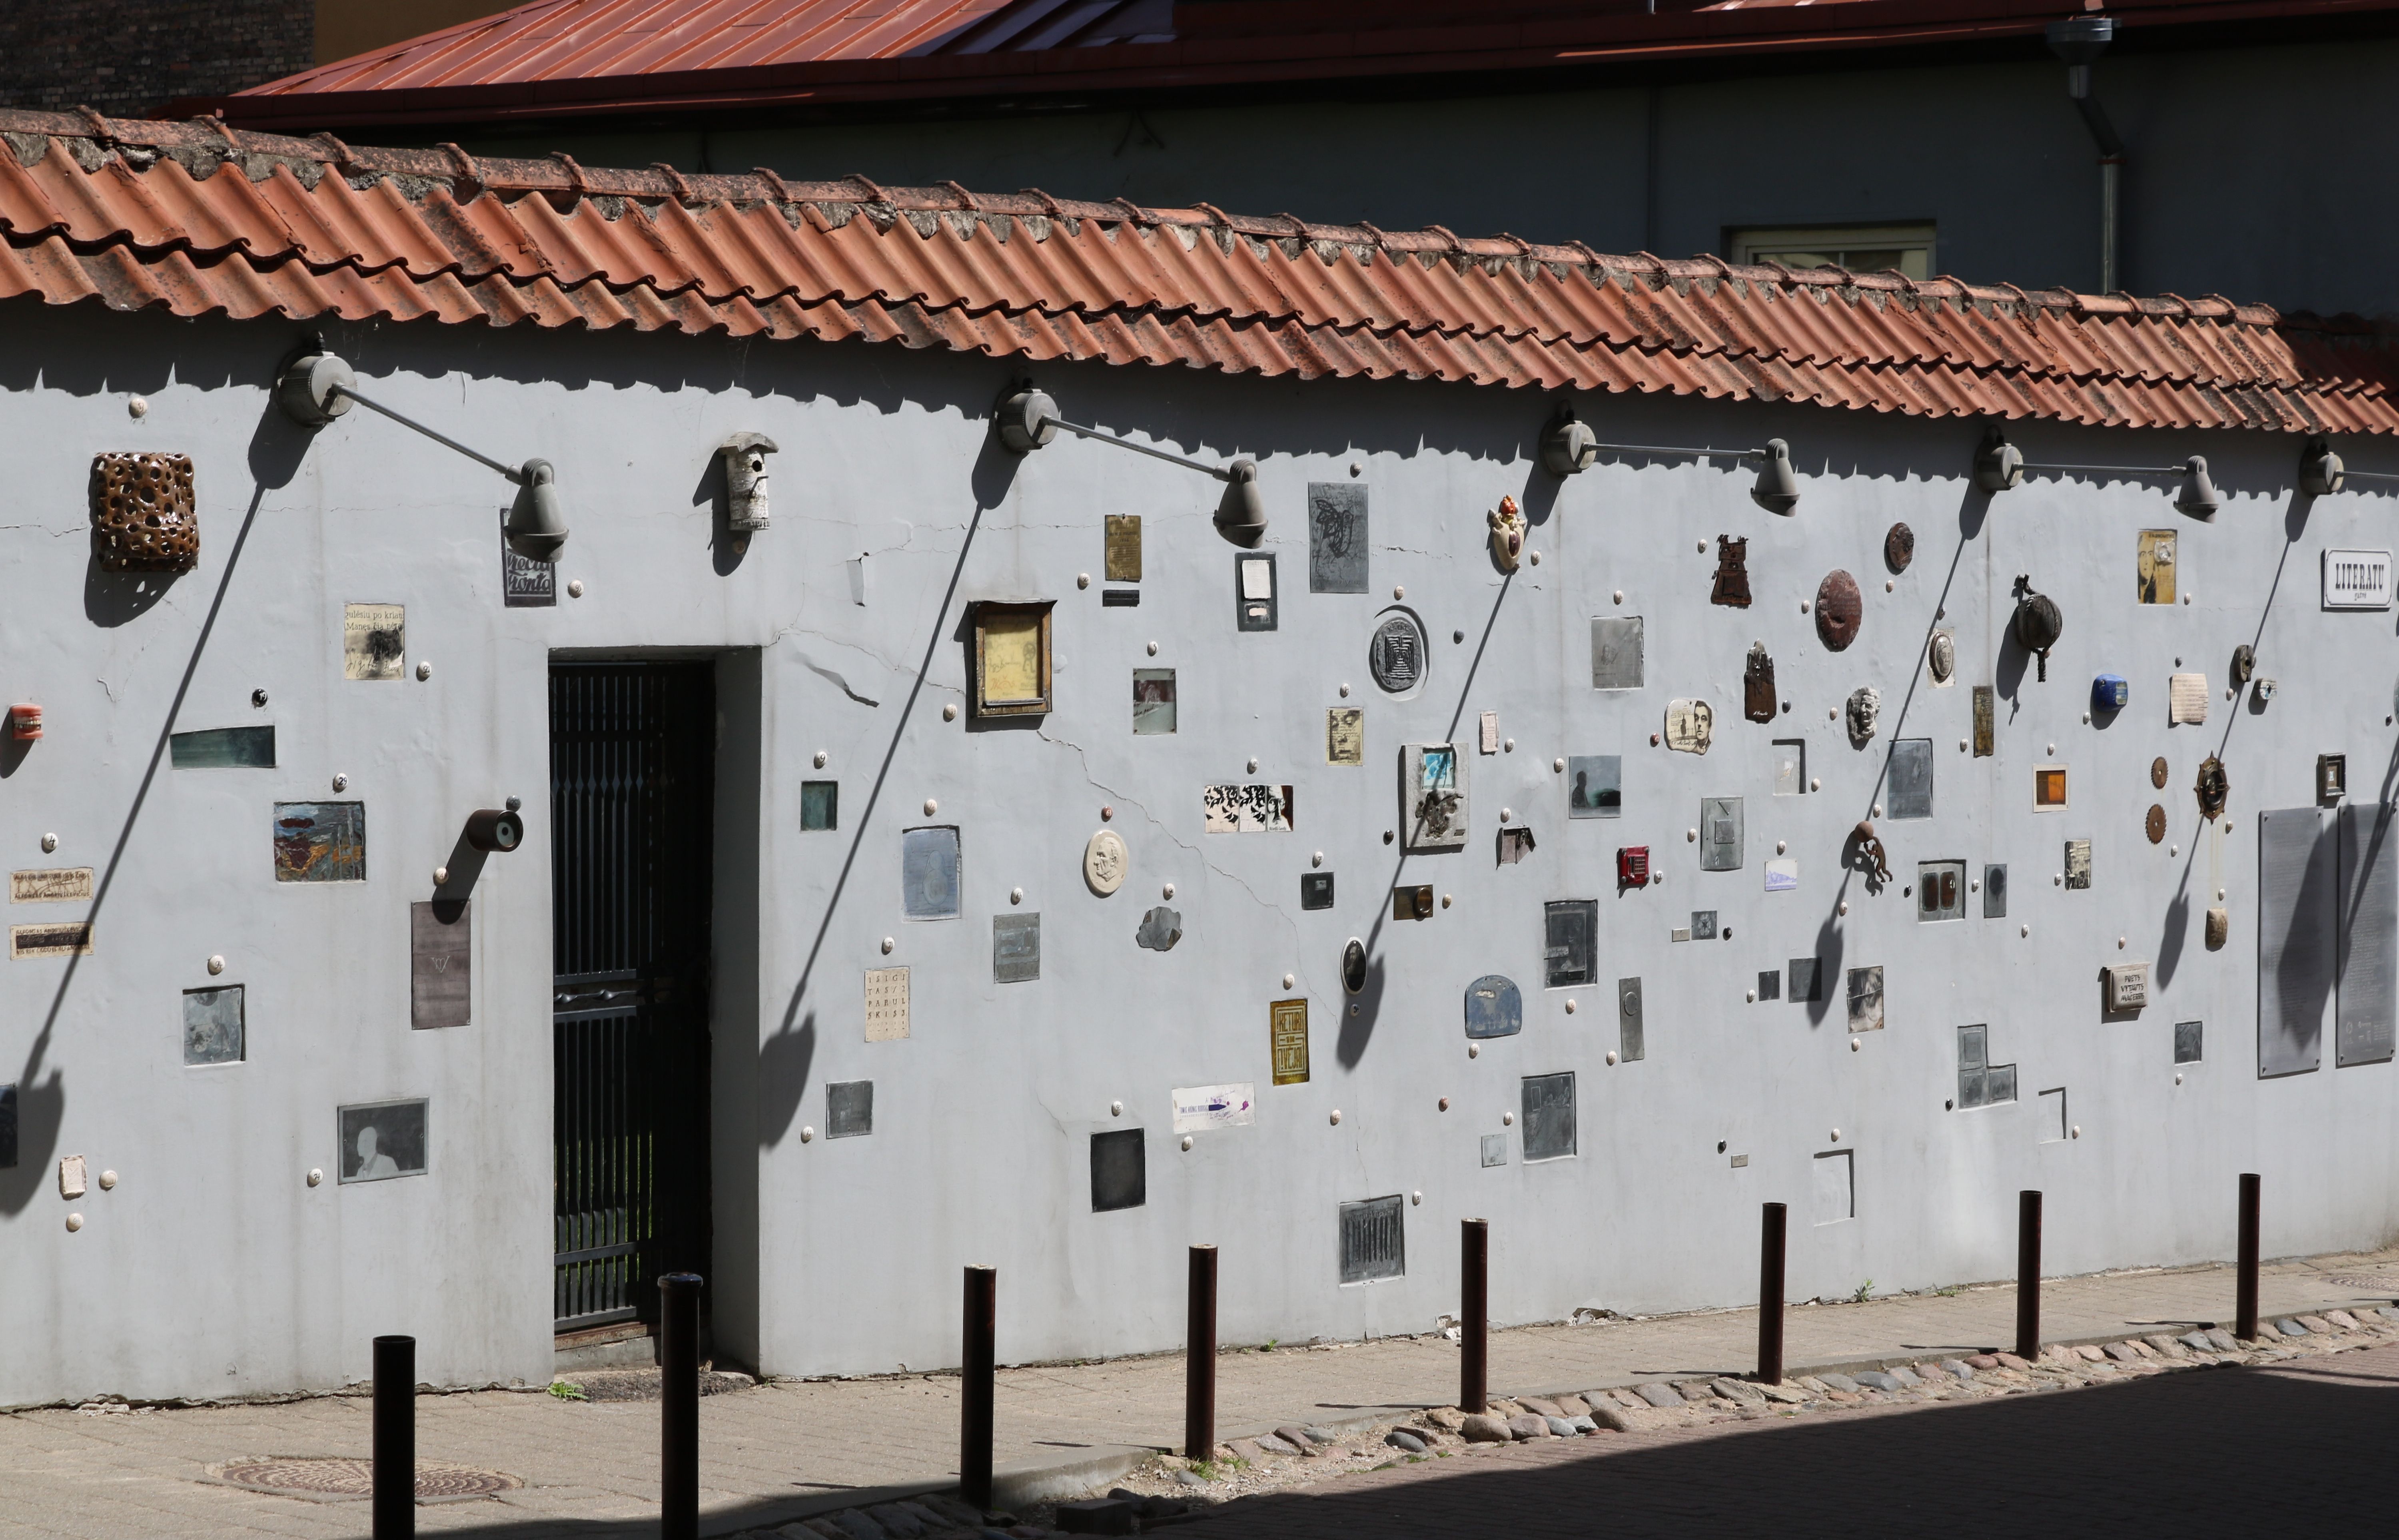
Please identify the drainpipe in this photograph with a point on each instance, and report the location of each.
(2079, 40)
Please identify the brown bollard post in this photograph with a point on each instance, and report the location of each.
(975, 1410)
(2027, 1275)
(1769, 1294)
(1474, 1315)
(1200, 1358)
(394, 1502)
(2245, 1325)
(679, 1406)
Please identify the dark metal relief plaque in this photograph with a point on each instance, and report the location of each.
(1628, 1019)
(1396, 655)
(1494, 1007)
(1899, 548)
(1336, 537)
(1757, 685)
(1838, 611)
(320, 841)
(1548, 1106)
(1911, 779)
(849, 1109)
(1015, 948)
(1570, 952)
(1721, 833)
(1732, 573)
(440, 957)
(1316, 890)
(1119, 1174)
(1986, 708)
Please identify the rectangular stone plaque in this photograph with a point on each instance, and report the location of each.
(886, 1003)
(1287, 1039)
(1490, 739)
(1255, 604)
(1316, 890)
(1495, 1149)
(1721, 834)
(1911, 779)
(1015, 948)
(1570, 938)
(929, 873)
(64, 938)
(1629, 1044)
(1344, 736)
(2187, 700)
(1986, 707)
(441, 958)
(1123, 547)
(62, 884)
(849, 1109)
(1616, 648)
(1595, 785)
(214, 1025)
(1336, 537)
(2186, 1043)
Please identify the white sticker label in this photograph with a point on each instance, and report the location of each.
(1199, 1108)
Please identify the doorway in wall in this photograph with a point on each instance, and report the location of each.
(632, 783)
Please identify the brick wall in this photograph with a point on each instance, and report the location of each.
(129, 58)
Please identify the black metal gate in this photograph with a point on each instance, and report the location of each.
(631, 778)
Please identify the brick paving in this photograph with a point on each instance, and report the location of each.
(591, 1468)
(2296, 1448)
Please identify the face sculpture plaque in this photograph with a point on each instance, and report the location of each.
(1865, 709)
(1104, 862)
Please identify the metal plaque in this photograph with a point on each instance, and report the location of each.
(1515, 843)
(1940, 659)
(2078, 865)
(320, 841)
(1123, 547)
(1898, 547)
(1153, 700)
(2187, 1041)
(1257, 595)
(1980, 1082)
(1769, 985)
(1433, 807)
(382, 1140)
(524, 583)
(1838, 611)
(1374, 1239)
(1732, 573)
(2369, 935)
(2158, 772)
(2154, 567)
(1396, 655)
(1790, 768)
(1015, 948)
(1866, 999)
(819, 807)
(1316, 890)
(372, 642)
(1758, 699)
(1595, 785)
(1911, 779)
(441, 961)
(1628, 1019)
(1494, 1007)
(1940, 890)
(1245, 809)
(1806, 980)
(1494, 1150)
(1119, 599)
(1287, 1040)
(1994, 892)
(2297, 925)
(1344, 736)
(1411, 903)
(2332, 777)
(1119, 1179)
(1986, 708)
(929, 873)
(2356, 580)
(1722, 829)
(214, 1024)
(222, 749)
(1690, 726)
(1160, 928)
(1702, 926)
(849, 1109)
(2154, 825)
(1336, 537)
(1571, 943)
(886, 1003)
(1616, 651)
(63, 884)
(1548, 1112)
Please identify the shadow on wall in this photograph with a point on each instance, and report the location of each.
(783, 1064)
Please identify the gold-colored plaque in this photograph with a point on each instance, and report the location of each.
(1986, 707)
(2155, 566)
(1012, 659)
(1287, 1026)
(1124, 547)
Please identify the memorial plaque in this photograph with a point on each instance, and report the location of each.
(2158, 772)
(1722, 835)
(1898, 547)
(1616, 651)
(63, 938)
(1769, 985)
(2356, 580)
(1105, 860)
(1940, 659)
(1199, 1109)
(886, 1003)
(1373, 1236)
(1396, 655)
(1344, 736)
(1548, 1116)
(2154, 567)
(373, 645)
(1119, 1174)
(1287, 1038)
(1015, 948)
(440, 963)
(320, 841)
(1866, 999)
(1411, 903)
(849, 1109)
(2049, 788)
(1783, 875)
(214, 1025)
(1629, 1044)
(2367, 990)
(1009, 654)
(2078, 865)
(1515, 843)
(1702, 926)
(1316, 890)
(1494, 1007)
(382, 1140)
(1595, 785)
(1994, 892)
(1123, 547)
(64, 884)
(8, 1127)
(1489, 742)
(1494, 1150)
(929, 873)
(1336, 537)
(1256, 596)
(1153, 701)
(1758, 699)
(2155, 824)
(1570, 954)
(1806, 980)
(1986, 708)
(1353, 966)
(1911, 779)
(2298, 926)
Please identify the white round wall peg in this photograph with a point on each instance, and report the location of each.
(807, 1133)
(1781, 847)
(1447, 899)
(1398, 592)
(1168, 891)
(2177, 1079)
(820, 756)
(50, 843)
(424, 669)
(1082, 580)
(1836, 1136)
(2077, 1130)
(135, 407)
(1611, 1056)
(1473, 1050)
(1506, 1120)
(574, 588)
(1558, 765)
(341, 783)
(1845, 906)
(931, 807)
(441, 876)
(888, 944)
(1337, 1116)
(1856, 1043)
(1620, 596)
(1506, 814)
(1288, 979)
(1344, 691)
(74, 1223)
(1186, 1141)
(950, 711)
(1816, 785)
(1508, 745)
(1016, 894)
(2024, 930)
(1444, 1103)
(1752, 997)
(1534, 556)
(1254, 766)
(1416, 1197)
(108, 1182)
(1570, 1008)
(1115, 1109)
(1153, 649)
(316, 1178)
(1317, 859)
(216, 964)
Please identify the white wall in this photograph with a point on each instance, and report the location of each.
(214, 1269)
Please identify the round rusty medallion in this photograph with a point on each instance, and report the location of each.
(2214, 788)
(1899, 548)
(1836, 609)
(2158, 772)
(2156, 824)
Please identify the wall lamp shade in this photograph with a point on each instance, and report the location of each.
(1997, 463)
(313, 388)
(495, 829)
(1241, 516)
(536, 526)
(1027, 419)
(1569, 446)
(2196, 496)
(2321, 471)
(1778, 485)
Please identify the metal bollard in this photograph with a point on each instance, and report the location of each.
(2245, 1325)
(1200, 1358)
(679, 1406)
(395, 1438)
(1474, 1315)
(2027, 1275)
(1769, 1294)
(974, 1415)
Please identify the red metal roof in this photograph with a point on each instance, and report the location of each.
(198, 219)
(566, 58)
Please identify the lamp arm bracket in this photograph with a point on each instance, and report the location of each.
(511, 472)
(1674, 448)
(1219, 472)
(2114, 470)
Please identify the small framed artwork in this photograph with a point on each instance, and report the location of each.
(1010, 656)
(214, 1025)
(929, 873)
(820, 806)
(381, 1140)
(1595, 785)
(1153, 701)
(2048, 788)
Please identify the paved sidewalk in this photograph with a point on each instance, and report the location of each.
(781, 1449)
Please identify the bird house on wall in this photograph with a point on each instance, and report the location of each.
(143, 519)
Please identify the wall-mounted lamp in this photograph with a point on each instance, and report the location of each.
(745, 480)
(318, 387)
(1998, 465)
(2322, 472)
(495, 829)
(1569, 448)
(1028, 418)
